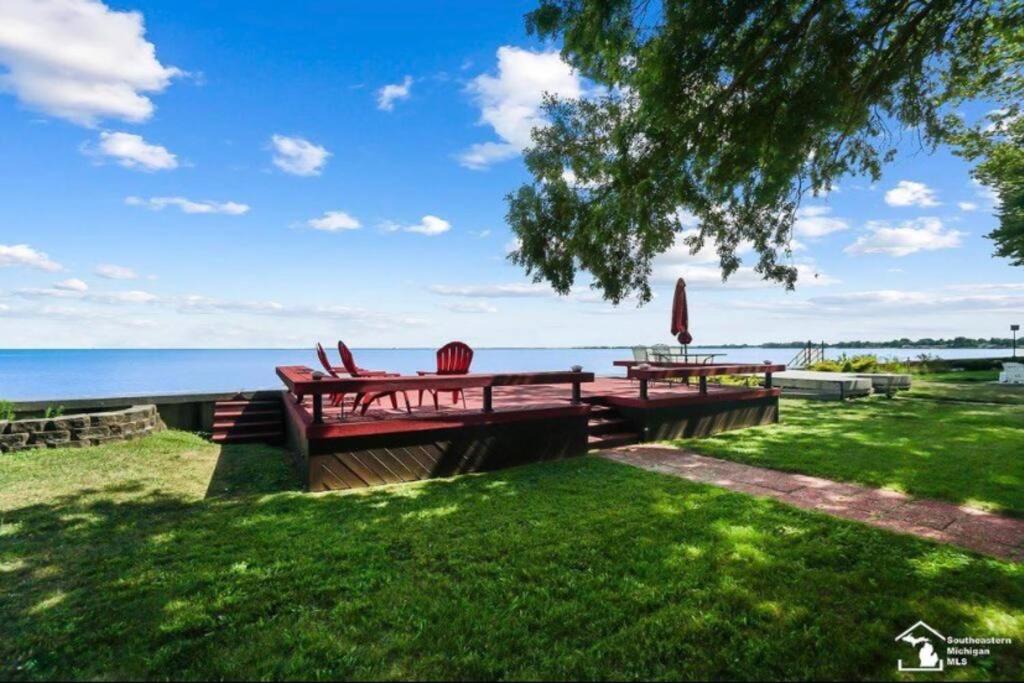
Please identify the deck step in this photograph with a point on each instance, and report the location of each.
(247, 437)
(242, 403)
(607, 425)
(607, 428)
(599, 411)
(235, 412)
(246, 425)
(613, 440)
(244, 421)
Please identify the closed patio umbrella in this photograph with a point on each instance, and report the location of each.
(681, 315)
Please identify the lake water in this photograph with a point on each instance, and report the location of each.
(94, 373)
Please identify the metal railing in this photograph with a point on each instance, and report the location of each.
(810, 354)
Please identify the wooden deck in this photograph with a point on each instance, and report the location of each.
(512, 399)
(507, 419)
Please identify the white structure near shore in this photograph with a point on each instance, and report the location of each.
(838, 385)
(1013, 373)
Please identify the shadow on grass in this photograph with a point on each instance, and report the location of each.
(242, 470)
(967, 454)
(576, 569)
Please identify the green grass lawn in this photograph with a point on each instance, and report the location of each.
(946, 389)
(962, 452)
(173, 558)
(959, 376)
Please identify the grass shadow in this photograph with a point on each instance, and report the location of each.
(575, 569)
(242, 470)
(963, 453)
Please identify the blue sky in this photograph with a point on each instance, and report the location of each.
(270, 174)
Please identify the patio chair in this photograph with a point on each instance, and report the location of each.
(640, 354)
(354, 370)
(659, 353)
(333, 399)
(454, 358)
(663, 353)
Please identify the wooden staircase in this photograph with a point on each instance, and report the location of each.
(242, 420)
(608, 429)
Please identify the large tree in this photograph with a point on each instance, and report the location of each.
(733, 111)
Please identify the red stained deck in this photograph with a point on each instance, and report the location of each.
(508, 419)
(510, 403)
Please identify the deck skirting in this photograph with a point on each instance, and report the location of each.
(340, 463)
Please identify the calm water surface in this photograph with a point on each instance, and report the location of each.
(93, 373)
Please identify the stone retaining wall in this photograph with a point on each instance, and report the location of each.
(75, 431)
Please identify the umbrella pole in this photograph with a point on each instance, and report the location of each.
(686, 359)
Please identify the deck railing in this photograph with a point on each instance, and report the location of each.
(810, 354)
(655, 371)
(302, 381)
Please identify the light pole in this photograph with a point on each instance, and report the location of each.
(1014, 328)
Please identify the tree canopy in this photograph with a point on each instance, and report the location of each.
(729, 113)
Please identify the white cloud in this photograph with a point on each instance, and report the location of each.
(24, 255)
(910, 193)
(298, 156)
(430, 226)
(863, 308)
(387, 95)
(72, 285)
(334, 221)
(484, 154)
(504, 291)
(189, 206)
(919, 234)
(79, 60)
(78, 314)
(745, 277)
(967, 206)
(510, 102)
(131, 151)
(988, 286)
(112, 272)
(816, 221)
(134, 296)
(902, 301)
(470, 307)
(64, 292)
(371, 319)
(703, 271)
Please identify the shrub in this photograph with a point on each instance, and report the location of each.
(865, 363)
(6, 410)
(53, 411)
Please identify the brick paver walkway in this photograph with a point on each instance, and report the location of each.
(967, 527)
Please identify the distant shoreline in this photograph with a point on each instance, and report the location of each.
(866, 346)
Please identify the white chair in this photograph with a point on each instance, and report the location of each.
(1013, 373)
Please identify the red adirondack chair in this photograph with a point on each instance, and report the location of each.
(350, 366)
(454, 358)
(333, 399)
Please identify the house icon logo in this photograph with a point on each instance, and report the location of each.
(926, 643)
